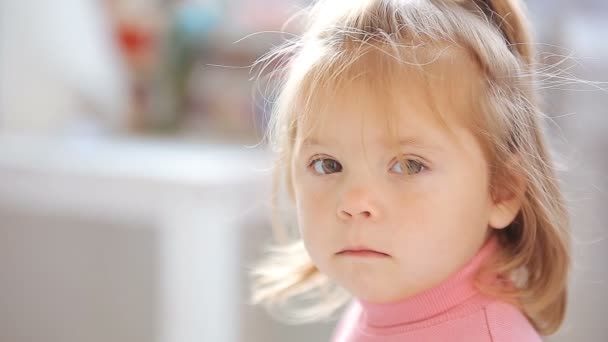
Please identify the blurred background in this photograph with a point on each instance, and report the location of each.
(134, 191)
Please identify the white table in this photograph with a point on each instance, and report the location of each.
(195, 196)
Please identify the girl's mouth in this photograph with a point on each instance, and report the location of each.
(362, 252)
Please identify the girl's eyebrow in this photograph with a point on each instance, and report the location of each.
(402, 141)
(311, 142)
(416, 142)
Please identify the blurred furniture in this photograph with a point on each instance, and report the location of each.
(124, 240)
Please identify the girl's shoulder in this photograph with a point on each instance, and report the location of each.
(506, 323)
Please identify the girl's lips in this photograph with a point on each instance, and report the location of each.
(363, 253)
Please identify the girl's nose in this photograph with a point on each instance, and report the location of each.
(357, 204)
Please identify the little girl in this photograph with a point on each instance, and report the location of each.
(409, 142)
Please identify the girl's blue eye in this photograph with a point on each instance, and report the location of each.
(408, 166)
(325, 166)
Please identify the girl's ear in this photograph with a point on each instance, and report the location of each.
(507, 195)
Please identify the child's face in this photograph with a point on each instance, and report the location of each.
(426, 217)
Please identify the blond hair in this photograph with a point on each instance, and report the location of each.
(343, 40)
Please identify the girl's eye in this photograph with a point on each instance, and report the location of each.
(408, 166)
(325, 166)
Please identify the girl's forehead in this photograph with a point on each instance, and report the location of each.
(391, 108)
(373, 107)
(372, 97)
(386, 91)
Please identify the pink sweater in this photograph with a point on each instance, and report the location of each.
(451, 311)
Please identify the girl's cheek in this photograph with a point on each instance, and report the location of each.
(318, 185)
(318, 197)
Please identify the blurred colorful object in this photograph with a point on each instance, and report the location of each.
(134, 40)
